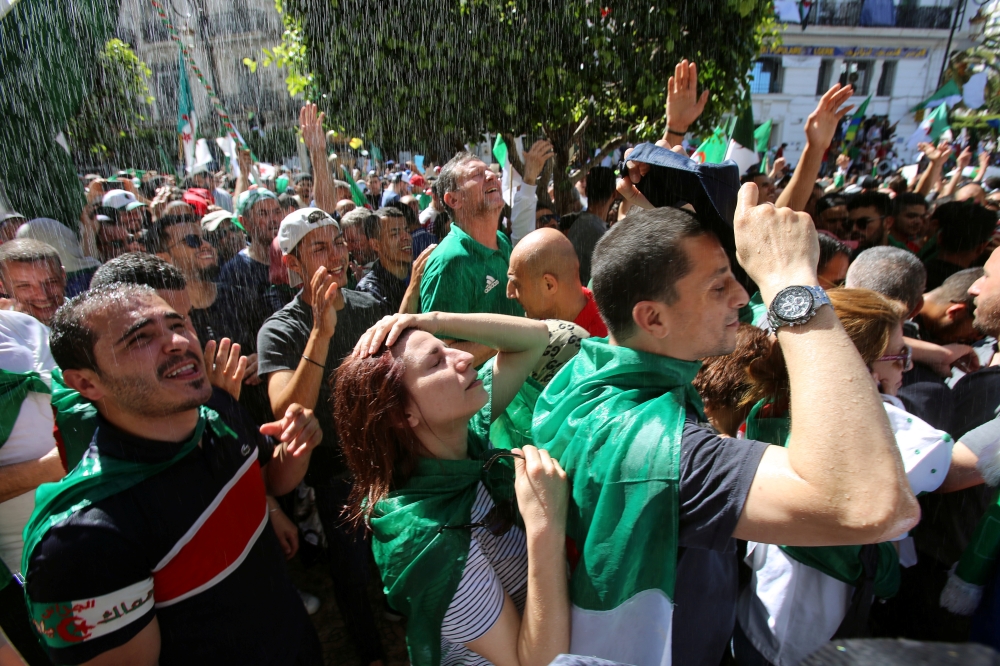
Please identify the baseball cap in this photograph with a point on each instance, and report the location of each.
(296, 226)
(250, 197)
(121, 200)
(199, 199)
(212, 221)
(11, 215)
(416, 180)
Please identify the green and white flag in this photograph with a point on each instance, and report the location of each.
(931, 129)
(187, 124)
(741, 144)
(614, 417)
(762, 141)
(712, 150)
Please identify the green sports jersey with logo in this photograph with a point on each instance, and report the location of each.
(463, 275)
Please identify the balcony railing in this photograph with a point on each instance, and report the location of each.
(872, 13)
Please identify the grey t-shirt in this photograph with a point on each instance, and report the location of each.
(716, 475)
(584, 234)
(280, 344)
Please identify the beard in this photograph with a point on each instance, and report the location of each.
(987, 319)
(209, 273)
(141, 394)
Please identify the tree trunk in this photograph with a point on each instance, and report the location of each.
(562, 142)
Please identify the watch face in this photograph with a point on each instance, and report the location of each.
(793, 303)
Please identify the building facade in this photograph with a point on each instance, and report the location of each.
(219, 34)
(892, 50)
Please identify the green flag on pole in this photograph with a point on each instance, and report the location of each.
(500, 151)
(856, 118)
(713, 149)
(187, 127)
(762, 140)
(949, 93)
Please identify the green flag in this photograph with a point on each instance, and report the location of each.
(500, 151)
(939, 122)
(713, 149)
(614, 418)
(762, 136)
(742, 143)
(187, 125)
(949, 92)
(356, 194)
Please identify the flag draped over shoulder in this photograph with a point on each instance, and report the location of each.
(614, 418)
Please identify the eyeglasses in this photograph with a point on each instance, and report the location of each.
(863, 222)
(545, 220)
(501, 517)
(906, 357)
(193, 241)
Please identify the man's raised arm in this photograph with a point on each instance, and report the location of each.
(841, 479)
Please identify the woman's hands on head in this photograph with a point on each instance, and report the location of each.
(389, 328)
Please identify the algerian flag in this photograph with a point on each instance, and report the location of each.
(228, 147)
(741, 145)
(613, 417)
(974, 91)
(931, 128)
(187, 126)
(856, 118)
(202, 155)
(712, 150)
(949, 94)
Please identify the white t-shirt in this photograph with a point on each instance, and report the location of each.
(495, 565)
(24, 347)
(790, 609)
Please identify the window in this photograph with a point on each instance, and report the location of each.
(766, 76)
(164, 88)
(823, 81)
(887, 80)
(858, 74)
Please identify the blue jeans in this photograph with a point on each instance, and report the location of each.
(348, 555)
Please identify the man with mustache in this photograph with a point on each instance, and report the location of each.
(157, 547)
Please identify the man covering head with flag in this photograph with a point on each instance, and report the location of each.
(657, 497)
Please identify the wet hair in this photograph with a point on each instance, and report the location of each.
(868, 318)
(379, 446)
(71, 338)
(600, 184)
(448, 178)
(724, 381)
(830, 247)
(139, 268)
(877, 200)
(907, 199)
(288, 203)
(373, 221)
(964, 225)
(27, 251)
(891, 271)
(829, 201)
(955, 289)
(354, 218)
(157, 238)
(898, 185)
(641, 259)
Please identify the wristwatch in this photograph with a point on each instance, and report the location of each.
(794, 306)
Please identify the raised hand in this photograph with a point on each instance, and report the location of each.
(224, 366)
(324, 294)
(683, 103)
(298, 430)
(387, 331)
(535, 159)
(244, 160)
(311, 125)
(634, 171)
(964, 158)
(822, 122)
(938, 153)
(778, 247)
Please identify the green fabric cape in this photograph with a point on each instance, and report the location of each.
(76, 418)
(100, 477)
(840, 562)
(420, 565)
(614, 417)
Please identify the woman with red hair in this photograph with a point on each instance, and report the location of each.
(470, 540)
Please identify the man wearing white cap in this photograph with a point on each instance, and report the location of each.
(299, 349)
(124, 210)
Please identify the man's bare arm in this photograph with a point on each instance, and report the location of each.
(24, 477)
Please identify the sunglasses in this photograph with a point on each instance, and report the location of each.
(193, 241)
(906, 357)
(547, 219)
(502, 516)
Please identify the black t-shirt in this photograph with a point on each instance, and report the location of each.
(716, 475)
(194, 540)
(926, 396)
(246, 282)
(280, 344)
(384, 286)
(939, 270)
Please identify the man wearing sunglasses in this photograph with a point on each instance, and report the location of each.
(869, 219)
(176, 237)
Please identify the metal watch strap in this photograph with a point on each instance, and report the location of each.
(820, 299)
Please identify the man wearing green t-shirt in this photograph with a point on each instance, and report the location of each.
(468, 270)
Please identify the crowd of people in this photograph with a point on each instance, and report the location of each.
(552, 432)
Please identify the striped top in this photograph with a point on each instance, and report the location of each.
(496, 565)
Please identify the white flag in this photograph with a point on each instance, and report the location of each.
(974, 91)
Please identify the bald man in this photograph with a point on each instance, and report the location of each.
(544, 277)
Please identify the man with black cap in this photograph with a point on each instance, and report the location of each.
(300, 348)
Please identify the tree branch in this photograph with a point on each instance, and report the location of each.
(581, 128)
(512, 155)
(609, 146)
